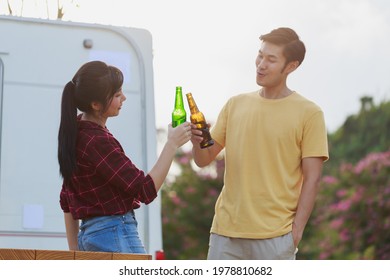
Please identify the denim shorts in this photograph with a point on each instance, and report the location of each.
(117, 233)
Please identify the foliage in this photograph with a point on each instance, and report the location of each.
(366, 132)
(352, 203)
(352, 215)
(188, 209)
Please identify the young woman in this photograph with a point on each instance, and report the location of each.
(101, 186)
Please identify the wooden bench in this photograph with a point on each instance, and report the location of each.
(31, 254)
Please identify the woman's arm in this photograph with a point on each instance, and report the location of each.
(177, 137)
(72, 230)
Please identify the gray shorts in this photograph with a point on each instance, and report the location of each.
(227, 248)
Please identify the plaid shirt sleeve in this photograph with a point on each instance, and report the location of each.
(64, 199)
(118, 170)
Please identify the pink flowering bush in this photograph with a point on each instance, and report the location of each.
(188, 208)
(351, 219)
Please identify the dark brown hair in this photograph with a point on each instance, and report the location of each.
(294, 49)
(95, 81)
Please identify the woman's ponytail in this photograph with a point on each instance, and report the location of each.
(67, 134)
(95, 81)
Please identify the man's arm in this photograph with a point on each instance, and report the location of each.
(312, 169)
(203, 157)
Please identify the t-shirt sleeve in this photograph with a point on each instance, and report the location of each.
(218, 131)
(315, 140)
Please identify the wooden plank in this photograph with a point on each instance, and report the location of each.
(17, 254)
(118, 256)
(54, 255)
(85, 255)
(28, 254)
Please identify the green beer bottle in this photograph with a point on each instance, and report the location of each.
(179, 115)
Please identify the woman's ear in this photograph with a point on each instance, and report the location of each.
(96, 106)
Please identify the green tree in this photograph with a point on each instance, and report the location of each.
(188, 208)
(361, 134)
(352, 216)
(349, 220)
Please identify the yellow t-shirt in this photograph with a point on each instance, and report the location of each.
(265, 141)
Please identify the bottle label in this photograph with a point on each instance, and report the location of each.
(178, 122)
(207, 140)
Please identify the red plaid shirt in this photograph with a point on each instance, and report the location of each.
(107, 182)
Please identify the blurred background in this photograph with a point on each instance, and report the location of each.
(209, 48)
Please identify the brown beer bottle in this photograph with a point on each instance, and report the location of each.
(199, 120)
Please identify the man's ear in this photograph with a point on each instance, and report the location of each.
(291, 66)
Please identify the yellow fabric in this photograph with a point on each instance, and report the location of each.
(264, 140)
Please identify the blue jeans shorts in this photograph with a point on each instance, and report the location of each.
(117, 233)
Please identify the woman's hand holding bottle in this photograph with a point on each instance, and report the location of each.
(179, 135)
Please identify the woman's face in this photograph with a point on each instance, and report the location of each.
(116, 104)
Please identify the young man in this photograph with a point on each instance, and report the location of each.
(275, 143)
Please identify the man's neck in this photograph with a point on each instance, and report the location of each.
(274, 93)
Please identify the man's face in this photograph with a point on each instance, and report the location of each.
(270, 65)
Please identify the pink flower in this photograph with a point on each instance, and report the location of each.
(346, 167)
(190, 190)
(184, 160)
(212, 192)
(335, 224)
(329, 180)
(165, 220)
(343, 205)
(324, 255)
(176, 200)
(358, 195)
(344, 235)
(373, 161)
(341, 193)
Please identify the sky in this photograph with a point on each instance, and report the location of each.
(209, 47)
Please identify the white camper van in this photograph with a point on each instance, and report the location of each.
(37, 58)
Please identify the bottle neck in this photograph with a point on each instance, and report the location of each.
(191, 103)
(179, 100)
